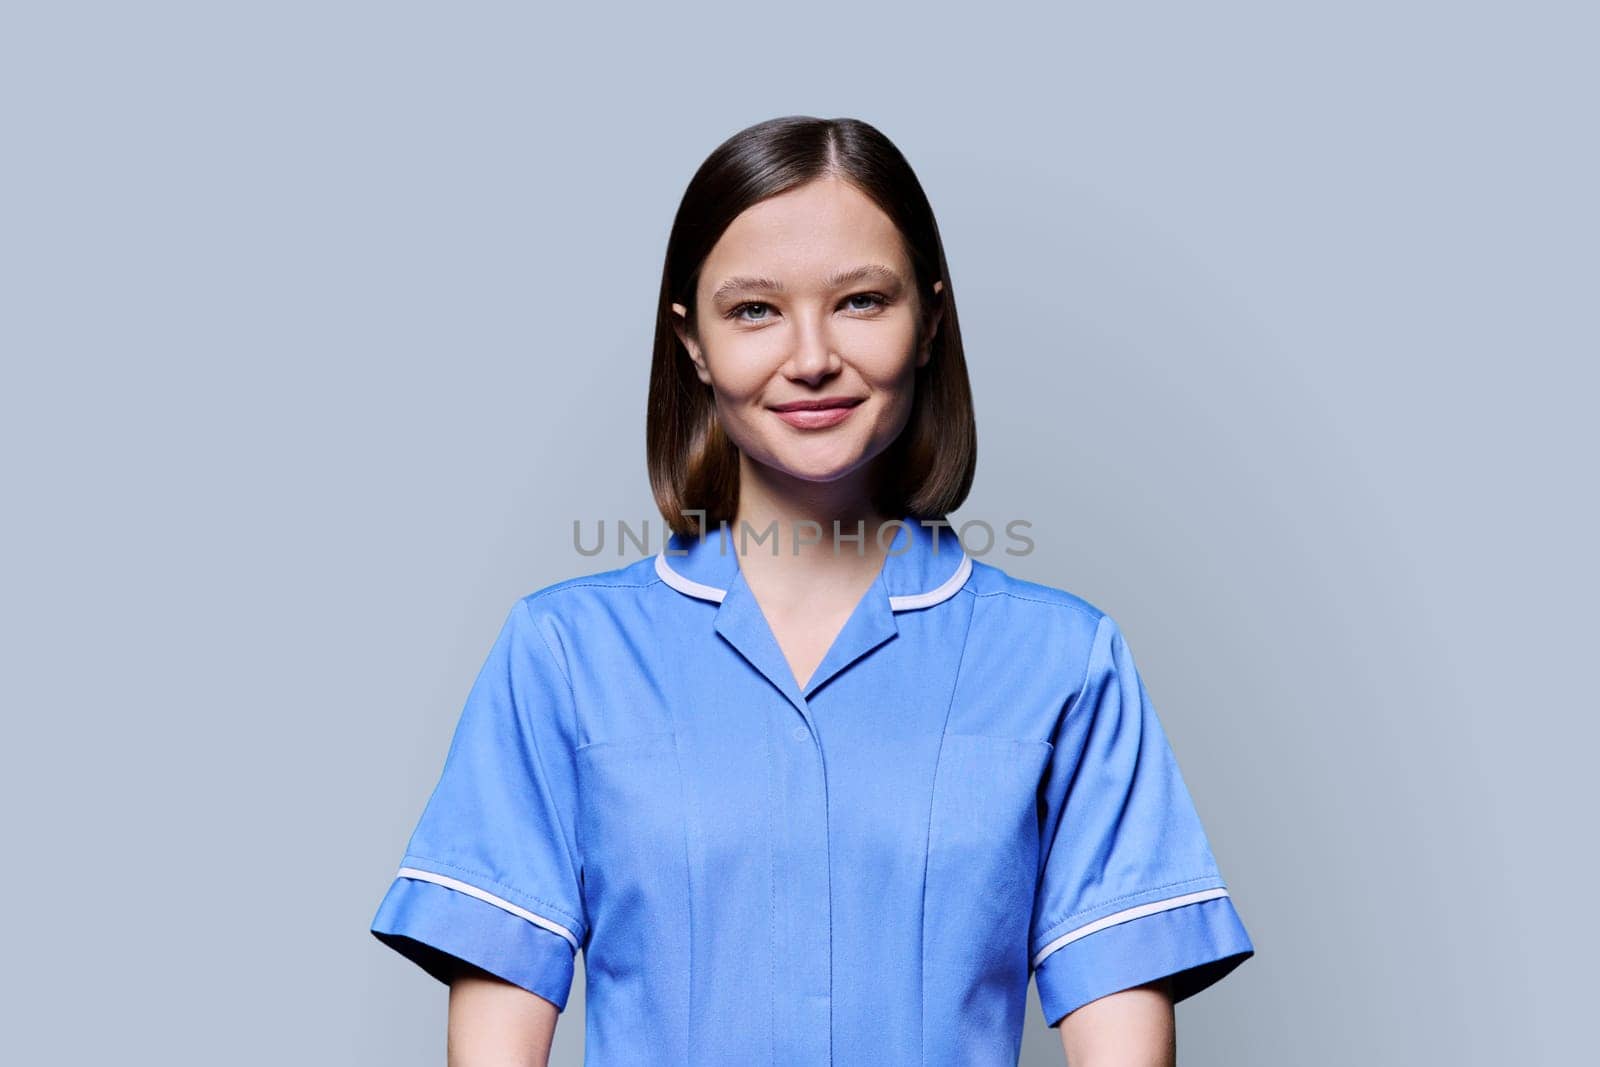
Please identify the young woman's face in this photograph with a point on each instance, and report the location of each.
(809, 296)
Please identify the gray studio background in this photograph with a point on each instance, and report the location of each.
(321, 322)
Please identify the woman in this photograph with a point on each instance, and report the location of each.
(813, 798)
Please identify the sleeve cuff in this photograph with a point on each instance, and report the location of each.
(437, 922)
(1196, 944)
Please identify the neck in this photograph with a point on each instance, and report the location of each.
(802, 517)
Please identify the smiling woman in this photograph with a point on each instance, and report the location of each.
(833, 348)
(807, 246)
(807, 806)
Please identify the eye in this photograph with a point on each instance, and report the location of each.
(879, 300)
(737, 312)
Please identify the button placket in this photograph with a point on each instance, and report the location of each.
(809, 900)
(802, 903)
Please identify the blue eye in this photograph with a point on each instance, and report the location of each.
(737, 313)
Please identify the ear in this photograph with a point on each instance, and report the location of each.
(931, 327)
(680, 326)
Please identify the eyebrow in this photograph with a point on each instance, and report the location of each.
(875, 271)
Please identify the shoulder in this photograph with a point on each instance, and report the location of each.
(1032, 618)
(998, 590)
(589, 603)
(597, 586)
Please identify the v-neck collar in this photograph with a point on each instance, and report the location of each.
(925, 565)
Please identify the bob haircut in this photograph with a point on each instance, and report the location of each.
(694, 466)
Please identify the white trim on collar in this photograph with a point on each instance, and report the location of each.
(905, 602)
(685, 585)
(933, 596)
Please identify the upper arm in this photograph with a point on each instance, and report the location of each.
(491, 876)
(1128, 889)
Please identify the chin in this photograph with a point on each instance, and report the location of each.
(820, 471)
(815, 461)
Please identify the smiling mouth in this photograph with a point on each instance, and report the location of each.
(817, 414)
(825, 404)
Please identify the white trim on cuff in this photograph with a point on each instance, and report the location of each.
(1126, 914)
(488, 898)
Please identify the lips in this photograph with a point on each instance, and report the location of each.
(824, 404)
(817, 414)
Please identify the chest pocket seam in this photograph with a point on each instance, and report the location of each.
(1002, 737)
(645, 740)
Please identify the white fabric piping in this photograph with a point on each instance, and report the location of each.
(933, 596)
(1126, 914)
(684, 585)
(944, 591)
(488, 898)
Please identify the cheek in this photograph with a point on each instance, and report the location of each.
(737, 378)
(739, 403)
(895, 413)
(734, 392)
(893, 381)
(885, 354)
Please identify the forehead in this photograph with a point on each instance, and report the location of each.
(805, 234)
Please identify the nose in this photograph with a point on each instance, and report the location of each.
(814, 358)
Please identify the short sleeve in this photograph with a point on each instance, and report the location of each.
(1128, 889)
(490, 875)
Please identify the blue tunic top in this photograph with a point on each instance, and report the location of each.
(973, 788)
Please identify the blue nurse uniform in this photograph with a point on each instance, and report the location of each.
(972, 788)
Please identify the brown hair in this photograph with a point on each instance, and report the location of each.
(927, 472)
